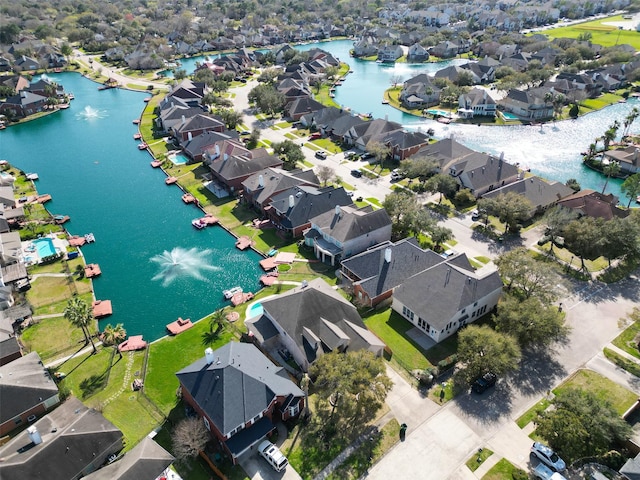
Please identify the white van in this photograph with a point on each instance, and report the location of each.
(273, 455)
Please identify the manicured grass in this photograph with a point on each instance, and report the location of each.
(47, 291)
(67, 339)
(392, 329)
(327, 144)
(625, 340)
(482, 259)
(531, 414)
(374, 201)
(602, 101)
(323, 96)
(358, 463)
(619, 397)
(476, 460)
(503, 470)
(605, 35)
(595, 265)
(283, 124)
(629, 365)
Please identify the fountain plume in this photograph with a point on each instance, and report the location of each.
(182, 262)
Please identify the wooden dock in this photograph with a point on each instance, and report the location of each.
(244, 242)
(102, 308)
(240, 298)
(92, 270)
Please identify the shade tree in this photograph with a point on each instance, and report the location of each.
(510, 208)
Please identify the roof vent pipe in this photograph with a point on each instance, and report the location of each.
(292, 201)
(387, 255)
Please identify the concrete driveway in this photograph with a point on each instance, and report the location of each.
(257, 468)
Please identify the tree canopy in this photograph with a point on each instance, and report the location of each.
(581, 424)
(188, 438)
(79, 313)
(290, 152)
(351, 388)
(510, 208)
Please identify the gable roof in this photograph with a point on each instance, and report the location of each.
(438, 293)
(445, 150)
(540, 193)
(147, 460)
(317, 313)
(308, 202)
(24, 383)
(351, 223)
(594, 204)
(238, 166)
(376, 276)
(479, 170)
(71, 432)
(276, 180)
(238, 385)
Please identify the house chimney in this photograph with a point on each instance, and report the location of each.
(34, 435)
(183, 119)
(189, 136)
(260, 181)
(502, 156)
(337, 210)
(208, 353)
(635, 154)
(292, 201)
(387, 255)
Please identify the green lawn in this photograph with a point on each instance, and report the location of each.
(625, 340)
(629, 365)
(478, 459)
(503, 470)
(327, 144)
(595, 265)
(531, 414)
(66, 341)
(619, 397)
(605, 35)
(392, 329)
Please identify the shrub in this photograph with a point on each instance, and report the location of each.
(447, 363)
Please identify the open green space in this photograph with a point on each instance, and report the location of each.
(619, 397)
(504, 470)
(478, 459)
(601, 33)
(531, 414)
(66, 341)
(626, 340)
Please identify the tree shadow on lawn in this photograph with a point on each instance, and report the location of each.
(94, 383)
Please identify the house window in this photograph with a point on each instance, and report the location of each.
(293, 410)
(17, 420)
(206, 423)
(256, 418)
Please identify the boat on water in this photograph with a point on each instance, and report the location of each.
(60, 219)
(198, 223)
(63, 106)
(137, 136)
(638, 199)
(228, 294)
(32, 176)
(136, 121)
(89, 238)
(142, 146)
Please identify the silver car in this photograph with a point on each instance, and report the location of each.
(548, 457)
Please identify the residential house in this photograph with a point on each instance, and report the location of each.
(309, 321)
(372, 275)
(338, 129)
(302, 106)
(445, 49)
(527, 105)
(347, 231)
(27, 391)
(239, 393)
(10, 349)
(442, 299)
(480, 172)
(476, 103)
(25, 64)
(293, 209)
(193, 126)
(541, 193)
(519, 61)
(365, 47)
(390, 53)
(402, 144)
(445, 151)
(420, 91)
(319, 119)
(67, 444)
(360, 135)
(260, 188)
(417, 53)
(628, 158)
(197, 147)
(230, 170)
(594, 204)
(173, 114)
(453, 73)
(189, 92)
(146, 461)
(12, 268)
(23, 104)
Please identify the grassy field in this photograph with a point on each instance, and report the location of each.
(601, 34)
(619, 397)
(626, 339)
(503, 470)
(531, 414)
(478, 459)
(66, 341)
(629, 365)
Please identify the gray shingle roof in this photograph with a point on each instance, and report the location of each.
(540, 193)
(238, 166)
(308, 203)
(437, 293)
(376, 276)
(445, 150)
(24, 383)
(72, 432)
(239, 384)
(352, 222)
(309, 311)
(275, 180)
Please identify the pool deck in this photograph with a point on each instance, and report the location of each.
(29, 249)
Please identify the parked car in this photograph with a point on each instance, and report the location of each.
(366, 155)
(548, 456)
(484, 382)
(356, 173)
(475, 215)
(321, 155)
(315, 136)
(545, 473)
(273, 455)
(396, 174)
(350, 155)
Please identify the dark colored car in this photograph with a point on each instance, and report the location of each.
(486, 381)
(356, 173)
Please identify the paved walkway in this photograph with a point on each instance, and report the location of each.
(84, 351)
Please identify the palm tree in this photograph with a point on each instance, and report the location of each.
(217, 320)
(610, 135)
(114, 335)
(79, 313)
(610, 170)
(629, 119)
(631, 187)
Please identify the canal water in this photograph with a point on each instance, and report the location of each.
(155, 265)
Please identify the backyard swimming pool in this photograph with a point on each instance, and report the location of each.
(509, 116)
(255, 310)
(178, 159)
(44, 247)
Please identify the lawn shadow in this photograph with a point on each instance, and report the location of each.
(94, 383)
(539, 371)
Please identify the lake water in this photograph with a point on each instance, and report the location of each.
(88, 161)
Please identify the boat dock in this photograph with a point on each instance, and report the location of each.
(269, 279)
(92, 270)
(132, 344)
(179, 326)
(188, 198)
(60, 219)
(102, 308)
(244, 242)
(240, 298)
(170, 180)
